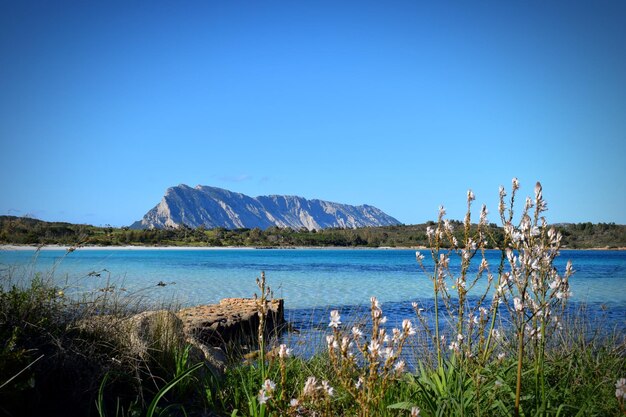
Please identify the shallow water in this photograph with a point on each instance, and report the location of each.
(306, 278)
(312, 281)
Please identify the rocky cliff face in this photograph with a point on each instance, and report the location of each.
(215, 207)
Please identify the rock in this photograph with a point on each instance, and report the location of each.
(160, 331)
(152, 333)
(213, 357)
(232, 321)
(208, 329)
(213, 207)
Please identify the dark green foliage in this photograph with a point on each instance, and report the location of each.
(19, 230)
(588, 235)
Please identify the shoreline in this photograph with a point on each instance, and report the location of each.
(14, 247)
(196, 248)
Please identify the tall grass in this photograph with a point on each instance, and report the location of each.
(57, 344)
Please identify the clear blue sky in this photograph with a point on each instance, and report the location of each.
(403, 105)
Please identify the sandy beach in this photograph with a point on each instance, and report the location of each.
(222, 248)
(199, 248)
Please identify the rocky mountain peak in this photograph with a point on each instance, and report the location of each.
(217, 207)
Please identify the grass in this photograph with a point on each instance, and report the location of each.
(56, 350)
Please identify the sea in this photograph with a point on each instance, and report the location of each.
(311, 281)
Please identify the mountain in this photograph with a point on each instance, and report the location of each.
(215, 207)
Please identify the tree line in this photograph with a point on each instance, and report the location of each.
(23, 230)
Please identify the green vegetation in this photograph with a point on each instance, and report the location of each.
(56, 351)
(20, 230)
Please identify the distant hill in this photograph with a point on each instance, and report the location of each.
(213, 207)
(20, 230)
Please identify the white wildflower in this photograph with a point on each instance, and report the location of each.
(345, 344)
(557, 323)
(399, 366)
(461, 282)
(444, 261)
(416, 307)
(551, 233)
(470, 196)
(620, 389)
(266, 391)
(269, 385)
(483, 215)
(529, 204)
(407, 327)
(538, 191)
(310, 386)
(415, 412)
(419, 256)
(373, 347)
(387, 353)
(534, 265)
(284, 351)
(563, 295)
(329, 390)
(396, 334)
(532, 332)
(519, 306)
(357, 333)
(382, 335)
(555, 284)
(294, 402)
(263, 396)
(334, 319)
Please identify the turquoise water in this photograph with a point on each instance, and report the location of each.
(306, 278)
(312, 281)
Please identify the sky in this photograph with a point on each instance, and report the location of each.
(403, 105)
